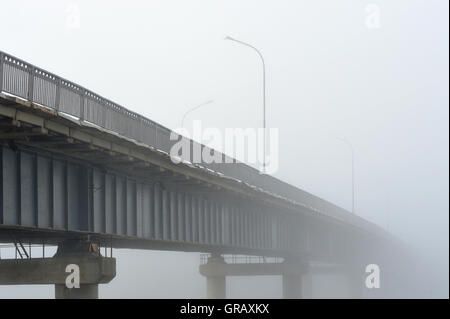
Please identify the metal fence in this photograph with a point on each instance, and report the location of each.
(243, 259)
(33, 84)
(36, 85)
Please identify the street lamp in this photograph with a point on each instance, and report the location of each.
(192, 109)
(264, 94)
(353, 171)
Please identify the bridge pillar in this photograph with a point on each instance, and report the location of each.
(81, 251)
(86, 291)
(294, 280)
(216, 287)
(214, 271)
(356, 281)
(93, 269)
(292, 286)
(307, 285)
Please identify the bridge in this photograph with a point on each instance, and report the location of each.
(81, 172)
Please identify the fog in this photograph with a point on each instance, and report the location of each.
(330, 75)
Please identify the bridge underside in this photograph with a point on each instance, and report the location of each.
(78, 170)
(61, 181)
(45, 196)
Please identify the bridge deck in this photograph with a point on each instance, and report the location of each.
(72, 160)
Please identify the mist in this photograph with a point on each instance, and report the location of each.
(329, 76)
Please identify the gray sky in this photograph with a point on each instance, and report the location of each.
(328, 76)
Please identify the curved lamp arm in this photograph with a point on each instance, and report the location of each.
(193, 109)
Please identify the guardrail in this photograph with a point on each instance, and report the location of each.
(243, 259)
(36, 85)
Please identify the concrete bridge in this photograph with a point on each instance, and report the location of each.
(80, 171)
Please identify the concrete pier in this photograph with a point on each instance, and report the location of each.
(215, 273)
(292, 286)
(86, 291)
(216, 270)
(93, 270)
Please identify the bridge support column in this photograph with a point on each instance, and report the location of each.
(293, 280)
(86, 291)
(216, 287)
(213, 270)
(307, 285)
(292, 286)
(92, 269)
(83, 251)
(356, 281)
(297, 282)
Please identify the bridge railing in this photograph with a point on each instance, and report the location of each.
(36, 85)
(243, 259)
(33, 84)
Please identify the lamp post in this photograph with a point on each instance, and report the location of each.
(353, 171)
(264, 94)
(192, 109)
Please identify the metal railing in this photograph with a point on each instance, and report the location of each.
(243, 259)
(36, 85)
(19, 250)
